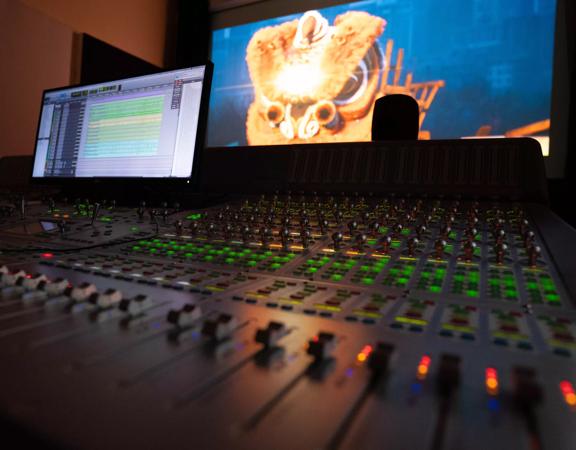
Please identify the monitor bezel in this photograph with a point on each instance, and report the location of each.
(191, 182)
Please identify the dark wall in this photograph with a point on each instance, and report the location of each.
(188, 32)
(104, 62)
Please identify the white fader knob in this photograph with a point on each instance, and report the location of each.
(45, 289)
(219, 328)
(135, 306)
(31, 283)
(10, 278)
(185, 316)
(107, 299)
(82, 292)
(56, 287)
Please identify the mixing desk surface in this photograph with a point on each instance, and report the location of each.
(289, 321)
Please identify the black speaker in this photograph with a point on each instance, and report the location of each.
(395, 118)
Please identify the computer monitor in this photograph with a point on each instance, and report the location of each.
(149, 127)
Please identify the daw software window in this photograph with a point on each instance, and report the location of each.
(139, 127)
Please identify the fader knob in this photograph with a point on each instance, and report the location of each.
(305, 238)
(32, 283)
(55, 287)
(82, 292)
(500, 252)
(470, 233)
(469, 247)
(533, 255)
(360, 241)
(420, 231)
(499, 236)
(178, 226)
(285, 238)
(337, 238)
(528, 237)
(219, 328)
(439, 248)
(385, 243)
(322, 346)
(352, 225)
(194, 228)
(246, 233)
(228, 231)
(270, 335)
(412, 245)
(445, 231)
(264, 233)
(379, 358)
(11, 278)
(135, 306)
(184, 316)
(323, 226)
(528, 393)
(448, 377)
(108, 298)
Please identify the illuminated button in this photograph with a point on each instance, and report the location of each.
(184, 316)
(270, 335)
(423, 367)
(568, 393)
(492, 384)
(322, 346)
(219, 328)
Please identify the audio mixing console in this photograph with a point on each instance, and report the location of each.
(285, 322)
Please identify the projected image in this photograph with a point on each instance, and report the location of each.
(476, 69)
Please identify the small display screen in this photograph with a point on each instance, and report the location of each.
(137, 127)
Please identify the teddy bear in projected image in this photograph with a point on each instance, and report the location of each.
(314, 82)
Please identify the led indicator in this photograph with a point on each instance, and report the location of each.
(492, 381)
(364, 353)
(47, 255)
(423, 367)
(568, 392)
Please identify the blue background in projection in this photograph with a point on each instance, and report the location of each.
(496, 57)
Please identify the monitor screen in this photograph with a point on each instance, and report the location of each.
(144, 127)
(479, 68)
